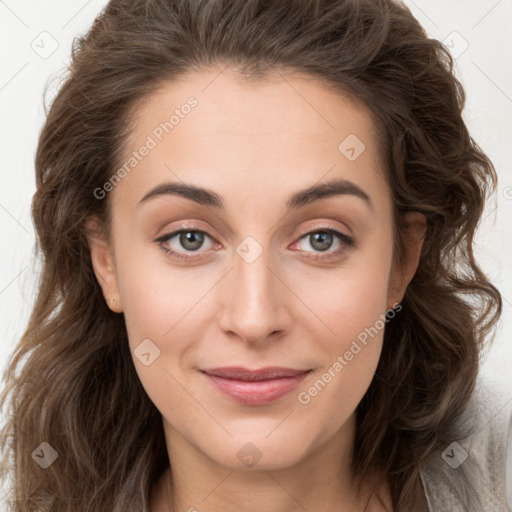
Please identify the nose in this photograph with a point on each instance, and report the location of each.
(255, 300)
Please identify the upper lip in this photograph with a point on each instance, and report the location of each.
(240, 373)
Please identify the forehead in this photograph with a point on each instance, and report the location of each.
(279, 102)
(260, 133)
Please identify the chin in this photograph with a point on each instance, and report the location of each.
(258, 453)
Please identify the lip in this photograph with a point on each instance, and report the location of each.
(255, 387)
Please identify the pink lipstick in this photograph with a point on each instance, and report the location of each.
(255, 387)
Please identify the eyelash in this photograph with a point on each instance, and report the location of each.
(345, 239)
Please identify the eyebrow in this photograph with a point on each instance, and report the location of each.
(207, 197)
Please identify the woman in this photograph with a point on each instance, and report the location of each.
(259, 289)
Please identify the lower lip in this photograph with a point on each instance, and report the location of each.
(257, 393)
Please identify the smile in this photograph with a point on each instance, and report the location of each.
(256, 387)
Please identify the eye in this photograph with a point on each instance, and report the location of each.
(183, 240)
(321, 240)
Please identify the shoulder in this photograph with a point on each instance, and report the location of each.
(475, 469)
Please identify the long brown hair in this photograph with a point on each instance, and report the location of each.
(71, 381)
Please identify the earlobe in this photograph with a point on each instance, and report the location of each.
(412, 237)
(103, 264)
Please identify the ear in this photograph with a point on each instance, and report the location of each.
(103, 264)
(412, 236)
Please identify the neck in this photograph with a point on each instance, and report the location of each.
(323, 475)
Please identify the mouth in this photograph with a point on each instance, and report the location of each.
(255, 387)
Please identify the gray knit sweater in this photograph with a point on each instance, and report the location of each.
(475, 474)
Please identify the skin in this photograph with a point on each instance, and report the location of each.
(255, 144)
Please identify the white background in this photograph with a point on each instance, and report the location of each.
(29, 27)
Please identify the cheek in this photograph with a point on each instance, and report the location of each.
(350, 357)
(158, 298)
(352, 307)
(349, 299)
(166, 311)
(159, 305)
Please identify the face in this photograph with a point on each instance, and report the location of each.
(257, 271)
